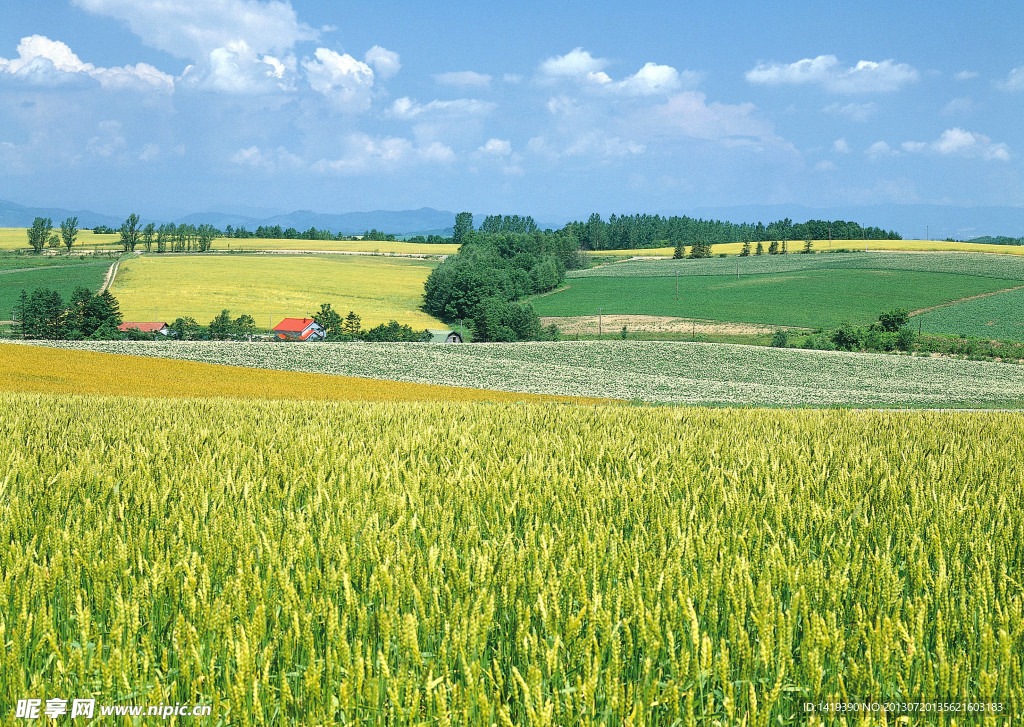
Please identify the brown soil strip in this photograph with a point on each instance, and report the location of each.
(962, 300)
(588, 325)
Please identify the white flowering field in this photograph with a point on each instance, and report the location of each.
(647, 371)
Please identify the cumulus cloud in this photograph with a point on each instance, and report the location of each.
(580, 67)
(50, 62)
(192, 29)
(958, 142)
(364, 153)
(463, 79)
(406, 108)
(497, 147)
(268, 160)
(854, 111)
(1014, 81)
(344, 81)
(840, 146)
(237, 68)
(958, 106)
(965, 75)
(689, 113)
(879, 150)
(384, 62)
(826, 71)
(577, 64)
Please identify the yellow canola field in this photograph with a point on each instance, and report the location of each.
(37, 369)
(734, 248)
(273, 287)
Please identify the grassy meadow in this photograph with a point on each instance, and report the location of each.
(999, 316)
(273, 287)
(60, 273)
(372, 563)
(808, 298)
(657, 372)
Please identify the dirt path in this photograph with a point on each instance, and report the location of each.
(919, 311)
(588, 325)
(111, 273)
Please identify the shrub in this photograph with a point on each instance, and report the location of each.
(780, 339)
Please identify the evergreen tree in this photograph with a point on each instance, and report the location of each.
(746, 249)
(760, 248)
(680, 251)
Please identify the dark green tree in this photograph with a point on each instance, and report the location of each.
(352, 325)
(463, 225)
(147, 236)
(39, 233)
(130, 233)
(330, 320)
(69, 232)
(746, 249)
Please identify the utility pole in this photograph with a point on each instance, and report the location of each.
(927, 234)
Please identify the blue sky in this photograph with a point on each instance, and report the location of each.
(555, 109)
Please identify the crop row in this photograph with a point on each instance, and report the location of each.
(649, 371)
(978, 264)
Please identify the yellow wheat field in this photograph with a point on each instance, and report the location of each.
(336, 563)
(50, 370)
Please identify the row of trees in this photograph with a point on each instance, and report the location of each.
(350, 328)
(44, 314)
(644, 231)
(41, 233)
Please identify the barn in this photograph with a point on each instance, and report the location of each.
(439, 336)
(299, 329)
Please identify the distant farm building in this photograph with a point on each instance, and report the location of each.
(299, 329)
(154, 327)
(445, 336)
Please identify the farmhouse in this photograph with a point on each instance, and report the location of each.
(299, 329)
(153, 327)
(437, 336)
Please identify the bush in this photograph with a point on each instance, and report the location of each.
(905, 338)
(847, 338)
(780, 339)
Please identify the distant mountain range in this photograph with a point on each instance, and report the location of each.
(937, 222)
(406, 222)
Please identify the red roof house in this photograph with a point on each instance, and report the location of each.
(155, 327)
(300, 329)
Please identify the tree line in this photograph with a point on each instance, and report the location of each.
(43, 314)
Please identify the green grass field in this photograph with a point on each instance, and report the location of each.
(273, 287)
(733, 248)
(63, 274)
(809, 298)
(997, 317)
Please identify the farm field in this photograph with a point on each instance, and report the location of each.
(647, 371)
(405, 248)
(999, 316)
(338, 563)
(68, 371)
(807, 298)
(273, 287)
(13, 238)
(795, 246)
(60, 273)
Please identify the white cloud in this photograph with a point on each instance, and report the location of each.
(558, 105)
(386, 63)
(690, 114)
(237, 68)
(1014, 81)
(840, 146)
(463, 79)
(855, 111)
(150, 152)
(364, 153)
(966, 75)
(406, 108)
(270, 160)
(497, 147)
(192, 29)
(577, 64)
(593, 144)
(50, 62)
(651, 79)
(865, 77)
(958, 142)
(958, 106)
(108, 141)
(879, 150)
(343, 80)
(825, 166)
